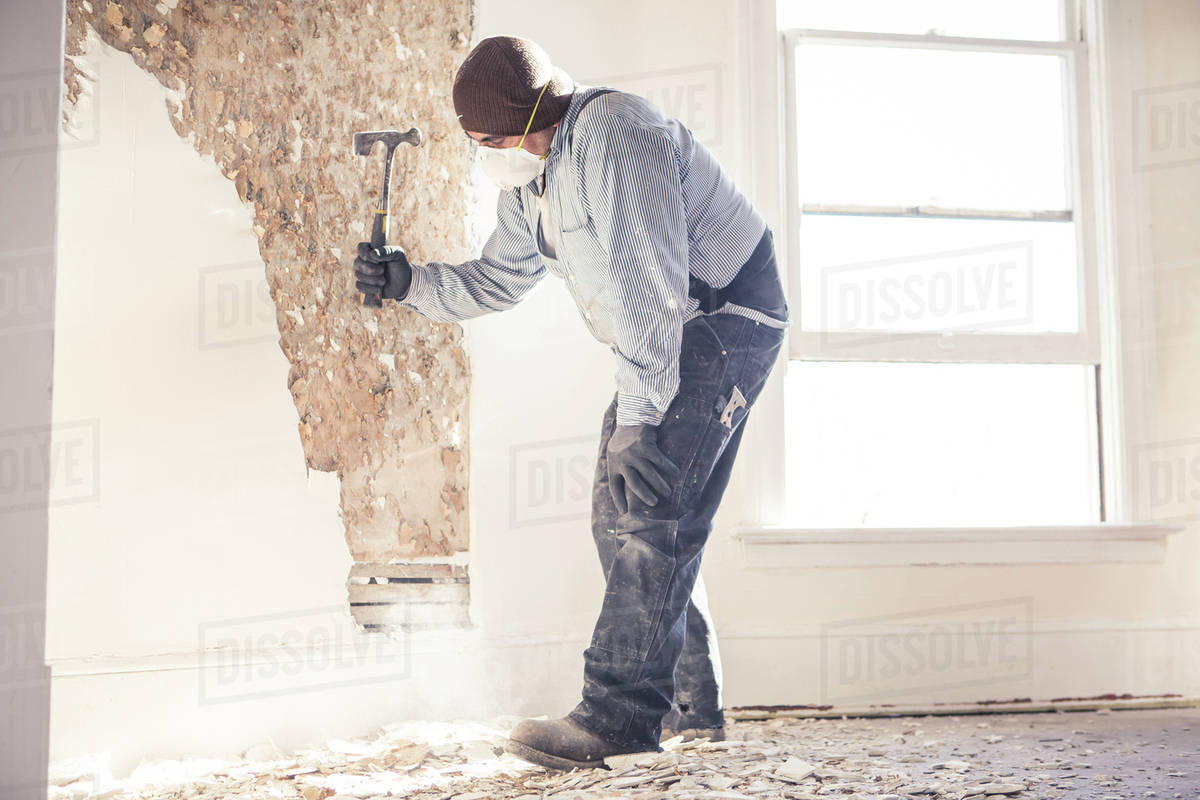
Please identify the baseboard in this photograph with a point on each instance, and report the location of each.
(1110, 703)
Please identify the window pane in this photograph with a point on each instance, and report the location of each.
(989, 19)
(911, 274)
(939, 444)
(890, 126)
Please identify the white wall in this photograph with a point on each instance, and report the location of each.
(31, 47)
(186, 535)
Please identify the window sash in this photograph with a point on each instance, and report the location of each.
(1082, 347)
(937, 212)
(1070, 12)
(944, 347)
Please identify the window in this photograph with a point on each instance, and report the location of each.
(945, 354)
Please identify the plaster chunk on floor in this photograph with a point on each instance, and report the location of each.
(1076, 756)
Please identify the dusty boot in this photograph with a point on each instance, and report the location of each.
(561, 744)
(690, 734)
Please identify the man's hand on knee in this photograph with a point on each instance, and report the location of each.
(636, 466)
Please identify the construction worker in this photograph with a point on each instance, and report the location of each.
(671, 266)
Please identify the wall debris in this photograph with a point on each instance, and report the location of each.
(274, 91)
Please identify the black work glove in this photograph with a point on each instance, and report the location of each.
(637, 466)
(384, 271)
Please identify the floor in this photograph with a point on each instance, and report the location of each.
(1097, 755)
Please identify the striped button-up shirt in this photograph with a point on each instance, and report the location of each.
(636, 205)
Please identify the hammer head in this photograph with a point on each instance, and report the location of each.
(365, 140)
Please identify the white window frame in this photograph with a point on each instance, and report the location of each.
(1081, 347)
(767, 91)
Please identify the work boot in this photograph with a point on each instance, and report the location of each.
(561, 744)
(690, 734)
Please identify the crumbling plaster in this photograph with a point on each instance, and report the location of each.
(274, 91)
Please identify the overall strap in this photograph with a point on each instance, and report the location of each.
(583, 105)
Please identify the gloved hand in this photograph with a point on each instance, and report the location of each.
(385, 271)
(637, 466)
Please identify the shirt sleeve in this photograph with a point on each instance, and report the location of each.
(632, 190)
(504, 273)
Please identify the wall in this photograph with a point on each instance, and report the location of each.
(1161, 246)
(30, 76)
(228, 418)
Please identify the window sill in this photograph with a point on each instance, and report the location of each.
(773, 547)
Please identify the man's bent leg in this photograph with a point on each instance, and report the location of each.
(698, 678)
(638, 638)
(697, 698)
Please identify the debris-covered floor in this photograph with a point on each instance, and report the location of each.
(1094, 755)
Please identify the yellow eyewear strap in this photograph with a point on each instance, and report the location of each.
(531, 116)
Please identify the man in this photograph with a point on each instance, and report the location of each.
(673, 268)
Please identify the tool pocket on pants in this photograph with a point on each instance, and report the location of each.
(636, 592)
(715, 435)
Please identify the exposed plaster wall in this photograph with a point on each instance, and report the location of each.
(274, 92)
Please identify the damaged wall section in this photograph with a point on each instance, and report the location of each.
(274, 92)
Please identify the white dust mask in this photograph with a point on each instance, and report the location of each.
(510, 167)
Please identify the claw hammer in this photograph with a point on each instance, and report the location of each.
(363, 142)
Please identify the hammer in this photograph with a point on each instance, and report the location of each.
(363, 142)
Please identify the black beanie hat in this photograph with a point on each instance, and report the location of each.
(498, 85)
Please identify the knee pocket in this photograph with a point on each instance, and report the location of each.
(636, 592)
(637, 532)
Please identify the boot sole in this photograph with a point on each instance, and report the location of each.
(547, 760)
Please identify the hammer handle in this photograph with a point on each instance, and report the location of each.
(378, 239)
